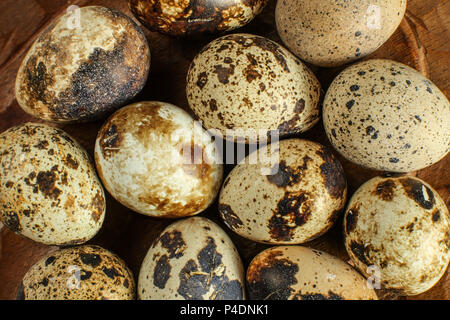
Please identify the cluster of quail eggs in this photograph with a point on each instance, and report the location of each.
(154, 158)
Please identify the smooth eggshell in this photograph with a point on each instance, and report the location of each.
(300, 273)
(187, 17)
(248, 82)
(401, 226)
(386, 116)
(79, 273)
(297, 200)
(49, 189)
(155, 159)
(193, 259)
(86, 64)
(330, 33)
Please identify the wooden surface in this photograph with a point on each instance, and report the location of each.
(422, 41)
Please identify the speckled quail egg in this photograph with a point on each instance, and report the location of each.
(386, 116)
(79, 273)
(300, 273)
(49, 190)
(250, 83)
(186, 17)
(86, 64)
(155, 159)
(293, 196)
(401, 227)
(193, 259)
(330, 33)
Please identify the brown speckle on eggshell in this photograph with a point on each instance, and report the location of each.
(80, 70)
(386, 116)
(247, 82)
(193, 259)
(401, 226)
(299, 200)
(155, 159)
(300, 273)
(50, 190)
(330, 33)
(79, 273)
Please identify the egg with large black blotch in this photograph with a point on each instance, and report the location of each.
(399, 226)
(300, 273)
(83, 66)
(192, 259)
(187, 17)
(78, 273)
(50, 192)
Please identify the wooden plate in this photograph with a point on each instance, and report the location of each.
(422, 41)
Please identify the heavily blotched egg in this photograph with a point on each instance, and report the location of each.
(49, 190)
(291, 192)
(386, 116)
(86, 64)
(401, 227)
(300, 273)
(193, 259)
(188, 17)
(250, 83)
(79, 273)
(155, 159)
(331, 33)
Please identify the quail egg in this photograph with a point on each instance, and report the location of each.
(386, 116)
(400, 227)
(49, 190)
(156, 160)
(86, 64)
(193, 259)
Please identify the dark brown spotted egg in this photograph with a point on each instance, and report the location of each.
(386, 116)
(300, 273)
(186, 17)
(330, 33)
(156, 160)
(49, 189)
(250, 83)
(79, 273)
(399, 227)
(193, 259)
(86, 64)
(290, 192)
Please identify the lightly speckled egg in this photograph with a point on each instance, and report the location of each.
(243, 81)
(49, 189)
(193, 259)
(79, 273)
(187, 17)
(156, 160)
(297, 200)
(86, 64)
(384, 115)
(300, 273)
(401, 226)
(330, 33)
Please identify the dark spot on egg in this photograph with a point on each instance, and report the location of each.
(351, 219)
(162, 272)
(111, 273)
(318, 296)
(436, 216)
(385, 190)
(90, 259)
(359, 251)
(332, 173)
(288, 175)
(11, 221)
(202, 80)
(419, 192)
(224, 73)
(46, 183)
(350, 104)
(354, 88)
(49, 261)
(174, 243)
(230, 218)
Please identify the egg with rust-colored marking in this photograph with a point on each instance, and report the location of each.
(192, 259)
(78, 273)
(331, 33)
(83, 66)
(384, 115)
(245, 86)
(50, 192)
(156, 160)
(188, 17)
(287, 193)
(300, 273)
(399, 227)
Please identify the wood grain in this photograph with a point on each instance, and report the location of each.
(422, 41)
